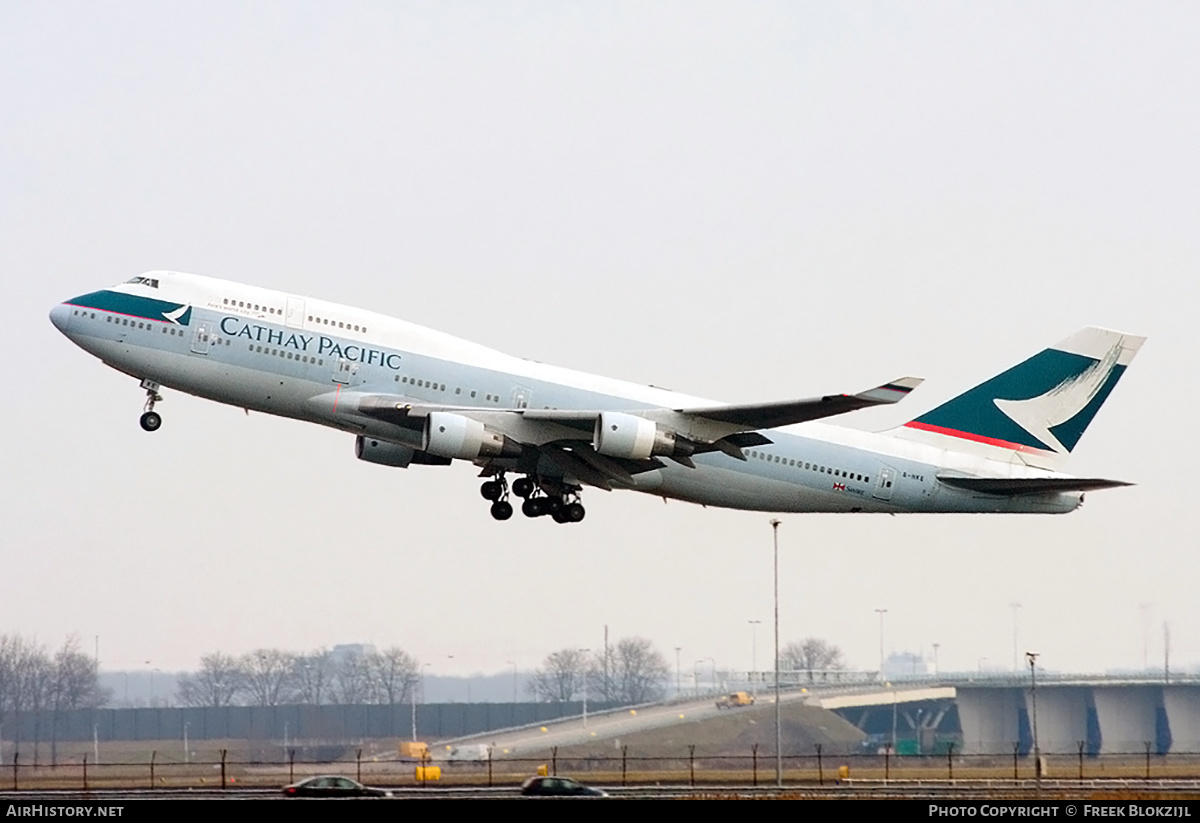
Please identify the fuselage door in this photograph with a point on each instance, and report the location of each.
(886, 482)
(295, 312)
(201, 337)
(344, 371)
(520, 397)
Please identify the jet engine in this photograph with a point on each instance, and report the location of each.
(636, 438)
(383, 452)
(453, 435)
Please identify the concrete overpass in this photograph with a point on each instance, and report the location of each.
(1107, 715)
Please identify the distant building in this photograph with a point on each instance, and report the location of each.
(344, 650)
(905, 664)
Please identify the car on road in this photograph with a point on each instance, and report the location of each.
(732, 701)
(332, 786)
(558, 787)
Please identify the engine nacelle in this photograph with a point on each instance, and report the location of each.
(453, 435)
(634, 438)
(383, 452)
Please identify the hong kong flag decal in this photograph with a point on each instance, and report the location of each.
(839, 487)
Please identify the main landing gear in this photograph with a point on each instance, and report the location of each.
(563, 508)
(150, 419)
(497, 492)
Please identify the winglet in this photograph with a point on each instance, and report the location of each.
(892, 392)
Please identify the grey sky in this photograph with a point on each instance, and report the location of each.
(741, 201)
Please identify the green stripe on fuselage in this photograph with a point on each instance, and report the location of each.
(133, 305)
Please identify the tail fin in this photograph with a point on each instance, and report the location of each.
(1036, 411)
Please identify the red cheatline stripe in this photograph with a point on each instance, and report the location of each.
(978, 438)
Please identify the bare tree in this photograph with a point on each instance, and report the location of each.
(217, 683)
(561, 676)
(76, 682)
(267, 675)
(811, 655)
(312, 676)
(34, 677)
(637, 671)
(352, 679)
(394, 674)
(12, 649)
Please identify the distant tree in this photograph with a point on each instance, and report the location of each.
(267, 676)
(218, 682)
(352, 679)
(312, 676)
(32, 679)
(76, 683)
(14, 650)
(811, 655)
(394, 675)
(637, 672)
(561, 676)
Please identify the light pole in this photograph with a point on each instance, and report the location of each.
(714, 671)
(514, 665)
(778, 727)
(678, 683)
(1037, 752)
(753, 647)
(1166, 652)
(936, 646)
(585, 653)
(413, 700)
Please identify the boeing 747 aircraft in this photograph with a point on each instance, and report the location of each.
(414, 396)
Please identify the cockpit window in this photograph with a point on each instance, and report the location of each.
(145, 281)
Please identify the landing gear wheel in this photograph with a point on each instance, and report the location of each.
(573, 513)
(502, 510)
(492, 490)
(560, 516)
(523, 487)
(151, 419)
(533, 507)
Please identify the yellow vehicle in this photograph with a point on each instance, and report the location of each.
(732, 701)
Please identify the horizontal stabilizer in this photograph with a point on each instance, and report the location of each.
(1013, 486)
(787, 412)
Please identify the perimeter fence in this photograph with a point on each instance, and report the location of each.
(623, 767)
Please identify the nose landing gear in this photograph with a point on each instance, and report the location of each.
(150, 419)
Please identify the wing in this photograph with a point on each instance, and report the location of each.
(787, 412)
(598, 447)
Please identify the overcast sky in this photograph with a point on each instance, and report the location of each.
(743, 201)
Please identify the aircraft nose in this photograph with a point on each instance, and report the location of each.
(59, 316)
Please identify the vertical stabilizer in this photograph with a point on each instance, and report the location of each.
(1037, 410)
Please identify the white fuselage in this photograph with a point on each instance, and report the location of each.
(311, 360)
